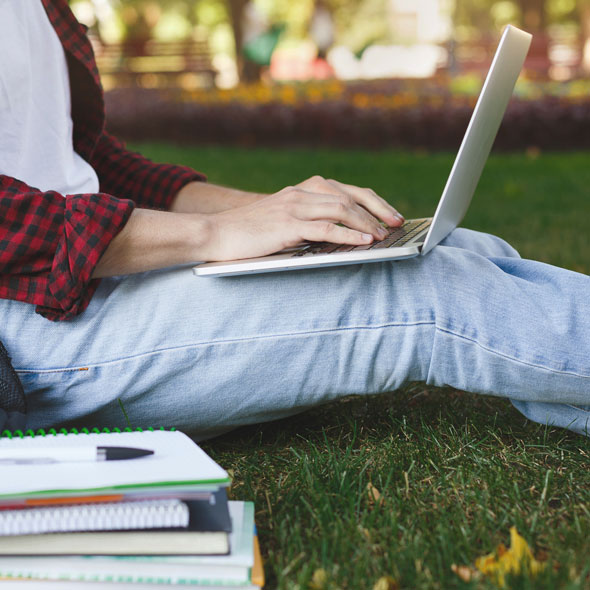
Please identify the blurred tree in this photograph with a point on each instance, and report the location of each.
(255, 37)
(144, 19)
(533, 14)
(584, 12)
(357, 23)
(534, 20)
(259, 40)
(474, 16)
(235, 11)
(482, 14)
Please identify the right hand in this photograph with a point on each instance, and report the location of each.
(310, 211)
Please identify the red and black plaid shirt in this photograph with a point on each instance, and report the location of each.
(50, 244)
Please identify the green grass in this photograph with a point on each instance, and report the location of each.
(455, 470)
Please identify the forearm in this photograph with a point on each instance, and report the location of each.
(203, 197)
(155, 239)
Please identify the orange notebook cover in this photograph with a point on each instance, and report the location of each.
(257, 569)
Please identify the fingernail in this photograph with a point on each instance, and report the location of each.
(382, 232)
(400, 217)
(367, 237)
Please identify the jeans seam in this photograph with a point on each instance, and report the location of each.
(60, 370)
(578, 408)
(86, 366)
(510, 357)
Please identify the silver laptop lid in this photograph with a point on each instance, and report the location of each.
(479, 137)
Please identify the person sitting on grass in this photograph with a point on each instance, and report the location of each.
(100, 241)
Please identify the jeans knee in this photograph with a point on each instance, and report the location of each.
(481, 243)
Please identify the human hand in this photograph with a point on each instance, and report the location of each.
(310, 211)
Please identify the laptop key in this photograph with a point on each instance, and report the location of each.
(345, 248)
(403, 241)
(328, 249)
(394, 236)
(384, 243)
(321, 248)
(304, 253)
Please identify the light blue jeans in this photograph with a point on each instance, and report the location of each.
(209, 354)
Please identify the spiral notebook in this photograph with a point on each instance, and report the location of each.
(194, 527)
(178, 468)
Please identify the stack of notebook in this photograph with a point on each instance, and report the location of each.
(69, 518)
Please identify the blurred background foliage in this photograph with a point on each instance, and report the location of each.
(353, 24)
(350, 73)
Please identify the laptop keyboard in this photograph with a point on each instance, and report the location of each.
(398, 236)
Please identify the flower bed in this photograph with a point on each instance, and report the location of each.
(423, 114)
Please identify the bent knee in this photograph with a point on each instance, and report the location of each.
(481, 243)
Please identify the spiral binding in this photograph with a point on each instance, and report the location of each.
(107, 516)
(53, 432)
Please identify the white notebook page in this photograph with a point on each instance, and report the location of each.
(176, 460)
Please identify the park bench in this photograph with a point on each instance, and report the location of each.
(151, 63)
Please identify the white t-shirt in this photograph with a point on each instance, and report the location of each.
(35, 106)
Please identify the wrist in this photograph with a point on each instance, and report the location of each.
(197, 232)
(156, 239)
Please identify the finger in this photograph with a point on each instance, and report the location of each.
(320, 186)
(326, 231)
(305, 197)
(338, 211)
(371, 201)
(367, 198)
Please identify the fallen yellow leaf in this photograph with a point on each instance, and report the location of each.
(374, 495)
(318, 580)
(386, 583)
(518, 559)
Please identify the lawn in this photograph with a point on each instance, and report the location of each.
(454, 470)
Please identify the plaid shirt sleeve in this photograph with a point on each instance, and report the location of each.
(50, 245)
(130, 175)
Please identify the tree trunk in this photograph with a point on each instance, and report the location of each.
(534, 20)
(236, 11)
(533, 15)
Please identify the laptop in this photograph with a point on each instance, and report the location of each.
(416, 236)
